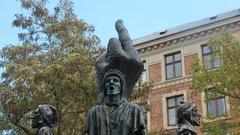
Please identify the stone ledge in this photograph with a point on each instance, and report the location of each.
(154, 45)
(171, 82)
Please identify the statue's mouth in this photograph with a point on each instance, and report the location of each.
(111, 87)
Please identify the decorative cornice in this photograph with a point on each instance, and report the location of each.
(171, 82)
(154, 45)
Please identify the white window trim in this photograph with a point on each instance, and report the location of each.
(163, 65)
(146, 70)
(204, 108)
(164, 103)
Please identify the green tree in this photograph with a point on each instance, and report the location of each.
(53, 64)
(141, 92)
(217, 127)
(225, 79)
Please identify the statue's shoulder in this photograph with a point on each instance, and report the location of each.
(182, 128)
(46, 130)
(186, 129)
(135, 106)
(95, 108)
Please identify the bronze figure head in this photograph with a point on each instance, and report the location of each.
(188, 112)
(44, 115)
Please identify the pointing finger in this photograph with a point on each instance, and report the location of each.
(123, 35)
(125, 40)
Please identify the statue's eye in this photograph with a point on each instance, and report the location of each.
(108, 80)
(115, 80)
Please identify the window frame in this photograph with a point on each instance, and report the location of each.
(215, 101)
(173, 63)
(211, 54)
(144, 73)
(175, 106)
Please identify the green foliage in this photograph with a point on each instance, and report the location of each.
(225, 79)
(221, 81)
(216, 127)
(141, 92)
(53, 65)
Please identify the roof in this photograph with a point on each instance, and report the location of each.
(188, 26)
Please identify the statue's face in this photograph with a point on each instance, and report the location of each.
(195, 117)
(36, 118)
(39, 117)
(113, 85)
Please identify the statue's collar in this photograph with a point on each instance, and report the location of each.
(186, 126)
(115, 104)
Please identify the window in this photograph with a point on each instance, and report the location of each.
(210, 61)
(216, 106)
(144, 73)
(173, 65)
(172, 103)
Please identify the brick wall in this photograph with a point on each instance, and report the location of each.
(157, 116)
(188, 60)
(155, 72)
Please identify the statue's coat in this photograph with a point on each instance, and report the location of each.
(46, 130)
(126, 119)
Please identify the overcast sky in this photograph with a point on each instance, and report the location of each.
(141, 17)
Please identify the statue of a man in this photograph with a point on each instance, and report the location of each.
(44, 119)
(188, 117)
(117, 72)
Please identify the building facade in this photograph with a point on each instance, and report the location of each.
(168, 56)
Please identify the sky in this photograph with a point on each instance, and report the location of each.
(141, 17)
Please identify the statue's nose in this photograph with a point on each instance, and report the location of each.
(111, 81)
(199, 114)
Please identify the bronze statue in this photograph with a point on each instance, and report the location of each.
(117, 72)
(188, 117)
(44, 118)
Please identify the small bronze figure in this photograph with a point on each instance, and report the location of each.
(44, 118)
(117, 72)
(188, 117)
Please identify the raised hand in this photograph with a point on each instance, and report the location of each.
(123, 46)
(120, 55)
